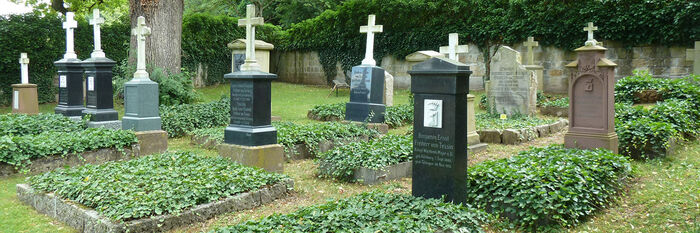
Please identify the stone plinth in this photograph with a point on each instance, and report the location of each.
(152, 142)
(70, 87)
(141, 105)
(591, 101)
(539, 75)
(98, 84)
(512, 89)
(269, 157)
(25, 99)
(366, 95)
(473, 139)
(250, 109)
(262, 54)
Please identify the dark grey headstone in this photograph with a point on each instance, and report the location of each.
(366, 95)
(70, 87)
(98, 83)
(250, 109)
(141, 105)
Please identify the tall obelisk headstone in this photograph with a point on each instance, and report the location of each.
(98, 83)
(538, 69)
(591, 98)
(70, 76)
(367, 83)
(141, 94)
(24, 95)
(694, 55)
(250, 139)
(440, 87)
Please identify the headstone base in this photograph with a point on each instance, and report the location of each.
(359, 112)
(250, 135)
(139, 124)
(379, 127)
(98, 115)
(473, 138)
(70, 111)
(75, 118)
(152, 142)
(141, 105)
(591, 141)
(25, 99)
(268, 157)
(477, 148)
(105, 124)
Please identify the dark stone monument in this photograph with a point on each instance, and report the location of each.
(70, 87)
(250, 109)
(366, 95)
(98, 83)
(440, 87)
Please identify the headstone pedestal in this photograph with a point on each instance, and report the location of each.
(99, 103)
(366, 95)
(25, 99)
(473, 140)
(70, 87)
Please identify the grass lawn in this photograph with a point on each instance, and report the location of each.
(664, 197)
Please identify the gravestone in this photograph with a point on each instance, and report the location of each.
(591, 99)
(70, 76)
(440, 87)
(538, 69)
(694, 55)
(388, 89)
(512, 88)
(25, 99)
(454, 49)
(367, 83)
(262, 54)
(250, 139)
(98, 83)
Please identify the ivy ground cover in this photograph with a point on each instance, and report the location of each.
(153, 185)
(21, 124)
(340, 162)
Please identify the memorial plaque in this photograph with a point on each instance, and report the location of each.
(15, 99)
(91, 83)
(62, 81)
(432, 114)
(250, 109)
(241, 102)
(513, 88)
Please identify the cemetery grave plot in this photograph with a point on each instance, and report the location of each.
(152, 193)
(558, 107)
(395, 116)
(516, 129)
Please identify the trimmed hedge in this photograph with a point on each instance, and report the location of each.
(340, 162)
(21, 124)
(372, 212)
(153, 185)
(178, 120)
(547, 187)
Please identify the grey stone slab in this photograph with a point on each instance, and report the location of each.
(490, 136)
(105, 124)
(372, 176)
(511, 137)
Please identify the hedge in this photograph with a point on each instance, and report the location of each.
(21, 124)
(340, 162)
(547, 187)
(178, 120)
(153, 185)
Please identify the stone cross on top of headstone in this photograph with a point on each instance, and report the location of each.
(370, 29)
(24, 63)
(694, 55)
(95, 21)
(69, 25)
(454, 49)
(591, 41)
(249, 23)
(529, 44)
(141, 31)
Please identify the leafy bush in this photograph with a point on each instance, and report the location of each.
(550, 186)
(395, 116)
(153, 185)
(683, 115)
(643, 138)
(173, 89)
(178, 120)
(558, 103)
(517, 121)
(327, 112)
(682, 88)
(340, 162)
(19, 150)
(372, 212)
(20, 124)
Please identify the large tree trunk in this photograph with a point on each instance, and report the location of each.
(163, 46)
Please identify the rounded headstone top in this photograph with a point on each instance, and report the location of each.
(259, 44)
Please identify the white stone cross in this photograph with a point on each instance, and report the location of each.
(694, 55)
(95, 22)
(141, 31)
(454, 49)
(529, 44)
(591, 41)
(370, 29)
(249, 23)
(69, 25)
(24, 65)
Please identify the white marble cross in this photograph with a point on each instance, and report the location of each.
(591, 41)
(69, 25)
(454, 49)
(249, 23)
(694, 55)
(95, 21)
(141, 31)
(529, 44)
(370, 29)
(24, 65)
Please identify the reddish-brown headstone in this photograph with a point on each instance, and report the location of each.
(25, 99)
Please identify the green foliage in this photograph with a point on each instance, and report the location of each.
(178, 120)
(372, 212)
(20, 124)
(643, 138)
(558, 102)
(484, 102)
(682, 88)
(153, 185)
(328, 112)
(340, 162)
(516, 121)
(19, 150)
(395, 116)
(176, 88)
(547, 187)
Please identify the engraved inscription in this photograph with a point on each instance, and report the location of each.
(62, 81)
(360, 85)
(242, 103)
(15, 99)
(589, 85)
(91, 83)
(432, 114)
(589, 108)
(433, 150)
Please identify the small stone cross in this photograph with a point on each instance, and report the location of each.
(24, 65)
(95, 22)
(370, 29)
(249, 23)
(591, 41)
(454, 49)
(141, 31)
(694, 55)
(529, 44)
(69, 25)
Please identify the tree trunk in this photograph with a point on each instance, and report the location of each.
(163, 46)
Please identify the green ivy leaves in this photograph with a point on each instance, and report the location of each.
(340, 162)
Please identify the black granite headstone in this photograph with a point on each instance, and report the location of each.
(250, 109)
(70, 87)
(98, 83)
(440, 87)
(366, 95)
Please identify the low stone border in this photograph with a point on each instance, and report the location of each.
(392, 172)
(88, 220)
(554, 111)
(300, 151)
(517, 136)
(51, 162)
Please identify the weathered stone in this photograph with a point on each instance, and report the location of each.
(512, 88)
(372, 176)
(543, 131)
(268, 157)
(490, 136)
(511, 137)
(388, 89)
(152, 142)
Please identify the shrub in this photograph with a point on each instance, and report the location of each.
(550, 186)
(516, 121)
(683, 88)
(395, 116)
(179, 120)
(644, 138)
(340, 162)
(683, 115)
(372, 212)
(20, 124)
(558, 103)
(173, 89)
(153, 185)
(327, 112)
(19, 150)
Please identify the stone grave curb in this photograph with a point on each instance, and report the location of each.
(518, 136)
(369, 176)
(555, 111)
(51, 162)
(88, 220)
(381, 127)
